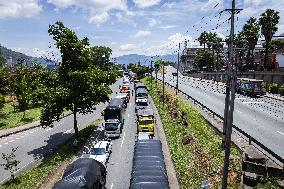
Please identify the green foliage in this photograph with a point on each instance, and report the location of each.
(34, 177)
(158, 64)
(274, 88)
(211, 40)
(204, 60)
(2, 60)
(11, 164)
(138, 69)
(82, 81)
(10, 118)
(281, 90)
(202, 158)
(2, 101)
(268, 22)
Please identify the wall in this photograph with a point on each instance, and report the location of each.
(270, 77)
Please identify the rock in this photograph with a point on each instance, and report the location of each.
(187, 138)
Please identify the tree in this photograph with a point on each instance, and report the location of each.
(101, 56)
(268, 22)
(250, 33)
(81, 83)
(203, 38)
(11, 164)
(2, 60)
(204, 60)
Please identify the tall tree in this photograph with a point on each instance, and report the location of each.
(268, 22)
(81, 82)
(203, 39)
(204, 60)
(250, 33)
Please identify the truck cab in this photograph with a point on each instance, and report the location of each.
(146, 122)
(113, 128)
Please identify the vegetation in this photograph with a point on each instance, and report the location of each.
(34, 177)
(138, 69)
(11, 164)
(10, 118)
(204, 60)
(268, 22)
(81, 82)
(200, 159)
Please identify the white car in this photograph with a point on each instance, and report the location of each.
(100, 151)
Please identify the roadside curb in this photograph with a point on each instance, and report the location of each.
(272, 97)
(7, 132)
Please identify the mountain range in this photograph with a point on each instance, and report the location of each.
(143, 59)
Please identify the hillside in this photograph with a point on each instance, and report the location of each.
(144, 60)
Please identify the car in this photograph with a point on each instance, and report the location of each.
(100, 151)
(123, 96)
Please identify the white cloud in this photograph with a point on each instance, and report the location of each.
(168, 27)
(146, 3)
(142, 33)
(211, 4)
(127, 47)
(153, 22)
(126, 18)
(19, 8)
(35, 52)
(97, 9)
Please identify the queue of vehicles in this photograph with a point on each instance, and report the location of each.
(148, 171)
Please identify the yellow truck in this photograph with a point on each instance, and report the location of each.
(146, 122)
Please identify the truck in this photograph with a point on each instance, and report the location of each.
(114, 117)
(141, 103)
(146, 122)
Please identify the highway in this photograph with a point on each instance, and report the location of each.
(35, 143)
(262, 118)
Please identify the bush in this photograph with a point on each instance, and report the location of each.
(274, 88)
(281, 90)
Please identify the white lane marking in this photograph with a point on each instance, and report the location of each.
(11, 140)
(130, 104)
(240, 98)
(280, 132)
(253, 102)
(17, 138)
(111, 186)
(128, 115)
(122, 139)
(68, 131)
(239, 111)
(0, 145)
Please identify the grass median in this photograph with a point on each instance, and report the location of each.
(202, 158)
(10, 118)
(35, 176)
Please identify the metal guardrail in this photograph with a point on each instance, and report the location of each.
(250, 138)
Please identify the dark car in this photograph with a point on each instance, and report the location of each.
(84, 173)
(250, 89)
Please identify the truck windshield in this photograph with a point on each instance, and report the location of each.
(141, 103)
(111, 126)
(97, 151)
(112, 114)
(145, 122)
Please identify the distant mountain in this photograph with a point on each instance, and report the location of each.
(144, 60)
(14, 57)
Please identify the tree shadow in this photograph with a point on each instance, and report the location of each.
(52, 143)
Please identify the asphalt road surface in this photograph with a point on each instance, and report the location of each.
(262, 118)
(120, 163)
(35, 143)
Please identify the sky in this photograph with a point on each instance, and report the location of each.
(150, 27)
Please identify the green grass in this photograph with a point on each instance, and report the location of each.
(9, 118)
(201, 159)
(34, 177)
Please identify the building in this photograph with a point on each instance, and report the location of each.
(187, 58)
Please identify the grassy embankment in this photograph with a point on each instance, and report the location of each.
(36, 176)
(10, 118)
(202, 158)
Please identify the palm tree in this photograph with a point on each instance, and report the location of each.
(250, 33)
(268, 21)
(203, 38)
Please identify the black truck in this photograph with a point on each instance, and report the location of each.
(114, 117)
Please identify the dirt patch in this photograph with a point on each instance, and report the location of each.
(54, 176)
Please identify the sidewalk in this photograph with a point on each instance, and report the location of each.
(14, 130)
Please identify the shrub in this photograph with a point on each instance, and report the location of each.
(274, 88)
(281, 90)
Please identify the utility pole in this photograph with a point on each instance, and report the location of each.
(163, 84)
(230, 97)
(151, 73)
(177, 69)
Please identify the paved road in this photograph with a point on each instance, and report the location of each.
(262, 118)
(35, 143)
(120, 163)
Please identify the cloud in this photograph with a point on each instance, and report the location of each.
(98, 10)
(142, 33)
(168, 27)
(127, 47)
(146, 3)
(153, 22)
(19, 8)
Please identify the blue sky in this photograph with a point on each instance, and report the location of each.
(134, 26)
